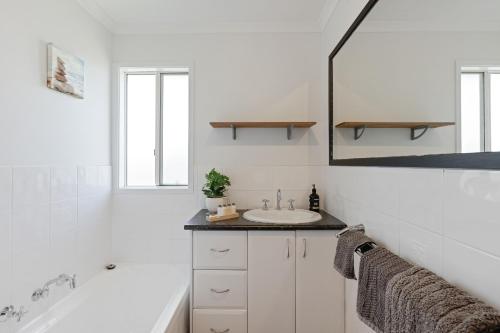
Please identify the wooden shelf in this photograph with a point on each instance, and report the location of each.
(360, 126)
(289, 125)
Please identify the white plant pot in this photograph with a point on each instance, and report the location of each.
(213, 203)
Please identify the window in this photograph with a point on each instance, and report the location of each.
(479, 109)
(154, 143)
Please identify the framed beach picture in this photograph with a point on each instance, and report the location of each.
(65, 72)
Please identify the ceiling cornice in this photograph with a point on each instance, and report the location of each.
(98, 13)
(326, 13)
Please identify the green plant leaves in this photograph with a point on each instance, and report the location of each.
(216, 184)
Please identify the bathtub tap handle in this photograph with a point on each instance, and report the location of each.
(10, 312)
(6, 313)
(19, 314)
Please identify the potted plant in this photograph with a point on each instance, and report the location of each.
(214, 189)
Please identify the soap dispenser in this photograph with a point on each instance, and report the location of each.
(314, 200)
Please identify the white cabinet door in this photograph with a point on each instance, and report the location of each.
(320, 289)
(271, 282)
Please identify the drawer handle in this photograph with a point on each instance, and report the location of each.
(216, 331)
(220, 251)
(220, 291)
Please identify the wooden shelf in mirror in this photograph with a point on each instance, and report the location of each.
(360, 126)
(289, 125)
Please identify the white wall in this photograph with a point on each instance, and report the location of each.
(441, 219)
(42, 126)
(240, 77)
(55, 178)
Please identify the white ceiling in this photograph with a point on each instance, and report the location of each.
(434, 15)
(178, 16)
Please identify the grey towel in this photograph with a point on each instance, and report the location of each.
(377, 267)
(344, 257)
(419, 301)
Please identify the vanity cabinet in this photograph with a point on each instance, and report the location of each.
(266, 281)
(271, 281)
(319, 287)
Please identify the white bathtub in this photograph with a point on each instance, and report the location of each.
(128, 299)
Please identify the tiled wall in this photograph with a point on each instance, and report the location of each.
(445, 220)
(148, 227)
(52, 221)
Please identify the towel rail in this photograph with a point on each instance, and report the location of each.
(357, 227)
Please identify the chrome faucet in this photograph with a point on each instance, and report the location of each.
(9, 312)
(278, 199)
(58, 281)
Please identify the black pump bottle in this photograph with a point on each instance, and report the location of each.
(314, 200)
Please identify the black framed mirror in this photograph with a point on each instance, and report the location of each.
(416, 83)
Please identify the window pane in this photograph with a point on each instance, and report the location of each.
(141, 106)
(175, 122)
(495, 112)
(471, 113)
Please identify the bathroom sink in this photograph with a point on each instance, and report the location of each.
(282, 216)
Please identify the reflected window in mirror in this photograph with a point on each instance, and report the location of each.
(479, 109)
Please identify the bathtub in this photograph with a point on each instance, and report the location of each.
(128, 299)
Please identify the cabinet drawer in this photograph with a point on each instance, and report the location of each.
(219, 321)
(220, 289)
(220, 250)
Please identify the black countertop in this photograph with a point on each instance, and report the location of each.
(199, 222)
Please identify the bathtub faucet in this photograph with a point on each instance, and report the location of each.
(58, 281)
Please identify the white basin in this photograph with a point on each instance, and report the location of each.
(282, 216)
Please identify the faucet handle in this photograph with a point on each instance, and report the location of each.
(10, 312)
(290, 204)
(266, 202)
(6, 313)
(20, 313)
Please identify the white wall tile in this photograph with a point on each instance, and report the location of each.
(291, 178)
(377, 188)
(5, 189)
(384, 229)
(475, 271)
(30, 227)
(421, 247)
(251, 199)
(94, 180)
(63, 183)
(40, 233)
(31, 186)
(250, 178)
(5, 258)
(472, 206)
(421, 198)
(432, 207)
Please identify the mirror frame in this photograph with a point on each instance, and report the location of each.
(487, 161)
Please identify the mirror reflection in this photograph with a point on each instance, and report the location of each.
(419, 77)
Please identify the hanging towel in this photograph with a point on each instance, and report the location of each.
(419, 301)
(377, 267)
(344, 257)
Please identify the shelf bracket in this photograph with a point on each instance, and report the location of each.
(289, 132)
(359, 131)
(233, 128)
(423, 129)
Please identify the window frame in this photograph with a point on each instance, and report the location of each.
(119, 142)
(485, 70)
